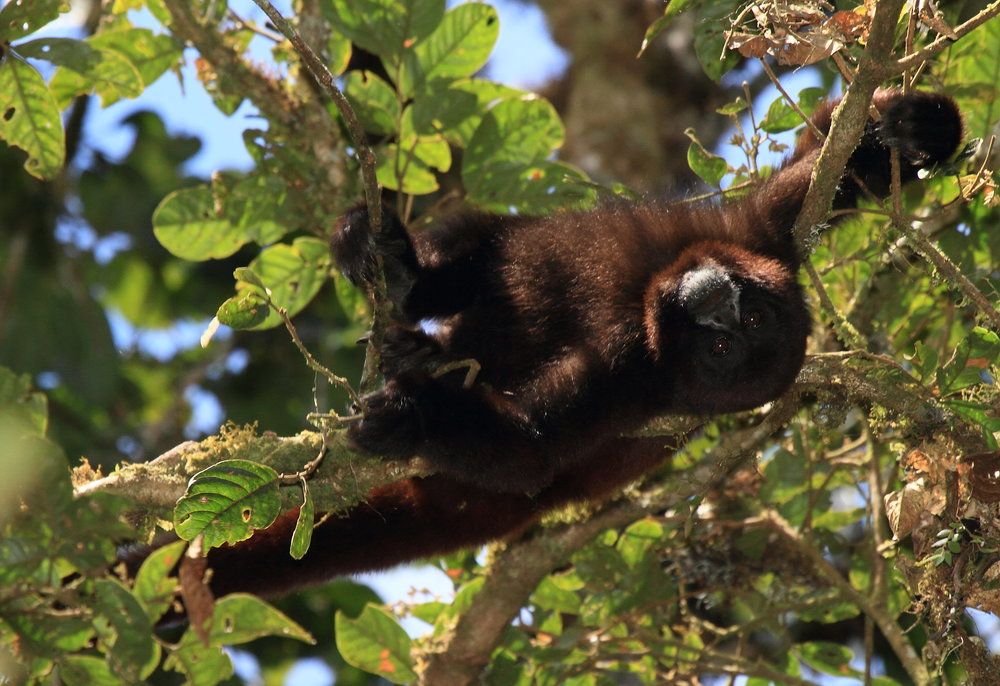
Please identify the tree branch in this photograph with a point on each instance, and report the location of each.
(917, 58)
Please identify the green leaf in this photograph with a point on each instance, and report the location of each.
(373, 100)
(86, 670)
(970, 363)
(510, 148)
(735, 107)
(237, 618)
(377, 644)
(410, 169)
(549, 596)
(826, 657)
(711, 168)
(293, 274)
(442, 110)
(227, 502)
(810, 99)
(17, 396)
(30, 117)
(975, 71)
(127, 60)
(487, 94)
(673, 9)
(20, 17)
(257, 205)
(780, 117)
(130, 646)
(249, 277)
(710, 30)
(241, 618)
(339, 49)
(205, 222)
(302, 535)
(243, 311)
(154, 587)
(459, 47)
(104, 72)
(189, 224)
(979, 414)
(638, 540)
(385, 27)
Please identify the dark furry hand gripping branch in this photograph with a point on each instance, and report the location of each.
(585, 325)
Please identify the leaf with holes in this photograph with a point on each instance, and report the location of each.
(29, 117)
(21, 17)
(227, 502)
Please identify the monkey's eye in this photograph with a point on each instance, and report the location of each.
(753, 319)
(721, 346)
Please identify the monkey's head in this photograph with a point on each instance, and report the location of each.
(727, 327)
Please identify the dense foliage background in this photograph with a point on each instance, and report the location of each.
(847, 533)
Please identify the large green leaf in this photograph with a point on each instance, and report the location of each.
(506, 164)
(514, 134)
(970, 364)
(154, 587)
(410, 168)
(199, 224)
(376, 643)
(237, 618)
(458, 48)
(373, 100)
(112, 78)
(30, 117)
(710, 38)
(129, 60)
(228, 502)
(188, 224)
(976, 65)
(486, 93)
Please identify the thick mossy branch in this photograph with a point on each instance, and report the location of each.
(342, 479)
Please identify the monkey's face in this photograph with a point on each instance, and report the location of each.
(731, 332)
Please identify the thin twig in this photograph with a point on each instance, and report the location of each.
(311, 361)
(820, 136)
(366, 159)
